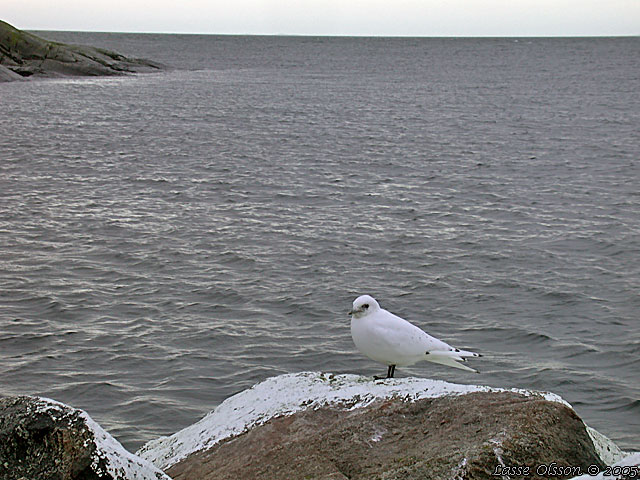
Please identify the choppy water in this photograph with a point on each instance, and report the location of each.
(168, 240)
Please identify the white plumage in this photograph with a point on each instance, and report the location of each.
(391, 340)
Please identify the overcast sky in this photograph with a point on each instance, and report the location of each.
(331, 17)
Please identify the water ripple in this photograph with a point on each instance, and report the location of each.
(169, 240)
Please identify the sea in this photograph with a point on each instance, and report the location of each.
(170, 239)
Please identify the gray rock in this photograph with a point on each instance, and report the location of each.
(7, 75)
(46, 440)
(28, 55)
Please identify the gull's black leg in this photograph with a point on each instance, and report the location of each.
(390, 371)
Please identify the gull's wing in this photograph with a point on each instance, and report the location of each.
(435, 350)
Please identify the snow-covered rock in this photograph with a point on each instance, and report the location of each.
(607, 450)
(318, 425)
(44, 439)
(291, 393)
(337, 426)
(626, 468)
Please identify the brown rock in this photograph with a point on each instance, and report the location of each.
(464, 437)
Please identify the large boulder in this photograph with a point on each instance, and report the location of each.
(27, 55)
(46, 440)
(313, 425)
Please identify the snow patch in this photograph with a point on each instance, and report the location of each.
(377, 435)
(290, 393)
(460, 471)
(497, 448)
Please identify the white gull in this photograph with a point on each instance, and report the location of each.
(392, 341)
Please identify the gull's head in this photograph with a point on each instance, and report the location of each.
(364, 305)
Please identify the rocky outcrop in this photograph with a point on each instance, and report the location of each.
(24, 55)
(312, 425)
(46, 440)
(324, 426)
(471, 436)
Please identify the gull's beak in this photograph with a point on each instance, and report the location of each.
(355, 310)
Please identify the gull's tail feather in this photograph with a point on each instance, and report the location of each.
(451, 358)
(458, 354)
(462, 353)
(450, 362)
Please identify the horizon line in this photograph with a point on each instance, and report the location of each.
(347, 35)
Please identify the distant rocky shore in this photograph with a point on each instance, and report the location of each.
(24, 55)
(322, 426)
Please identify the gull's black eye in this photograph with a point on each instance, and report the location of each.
(365, 306)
